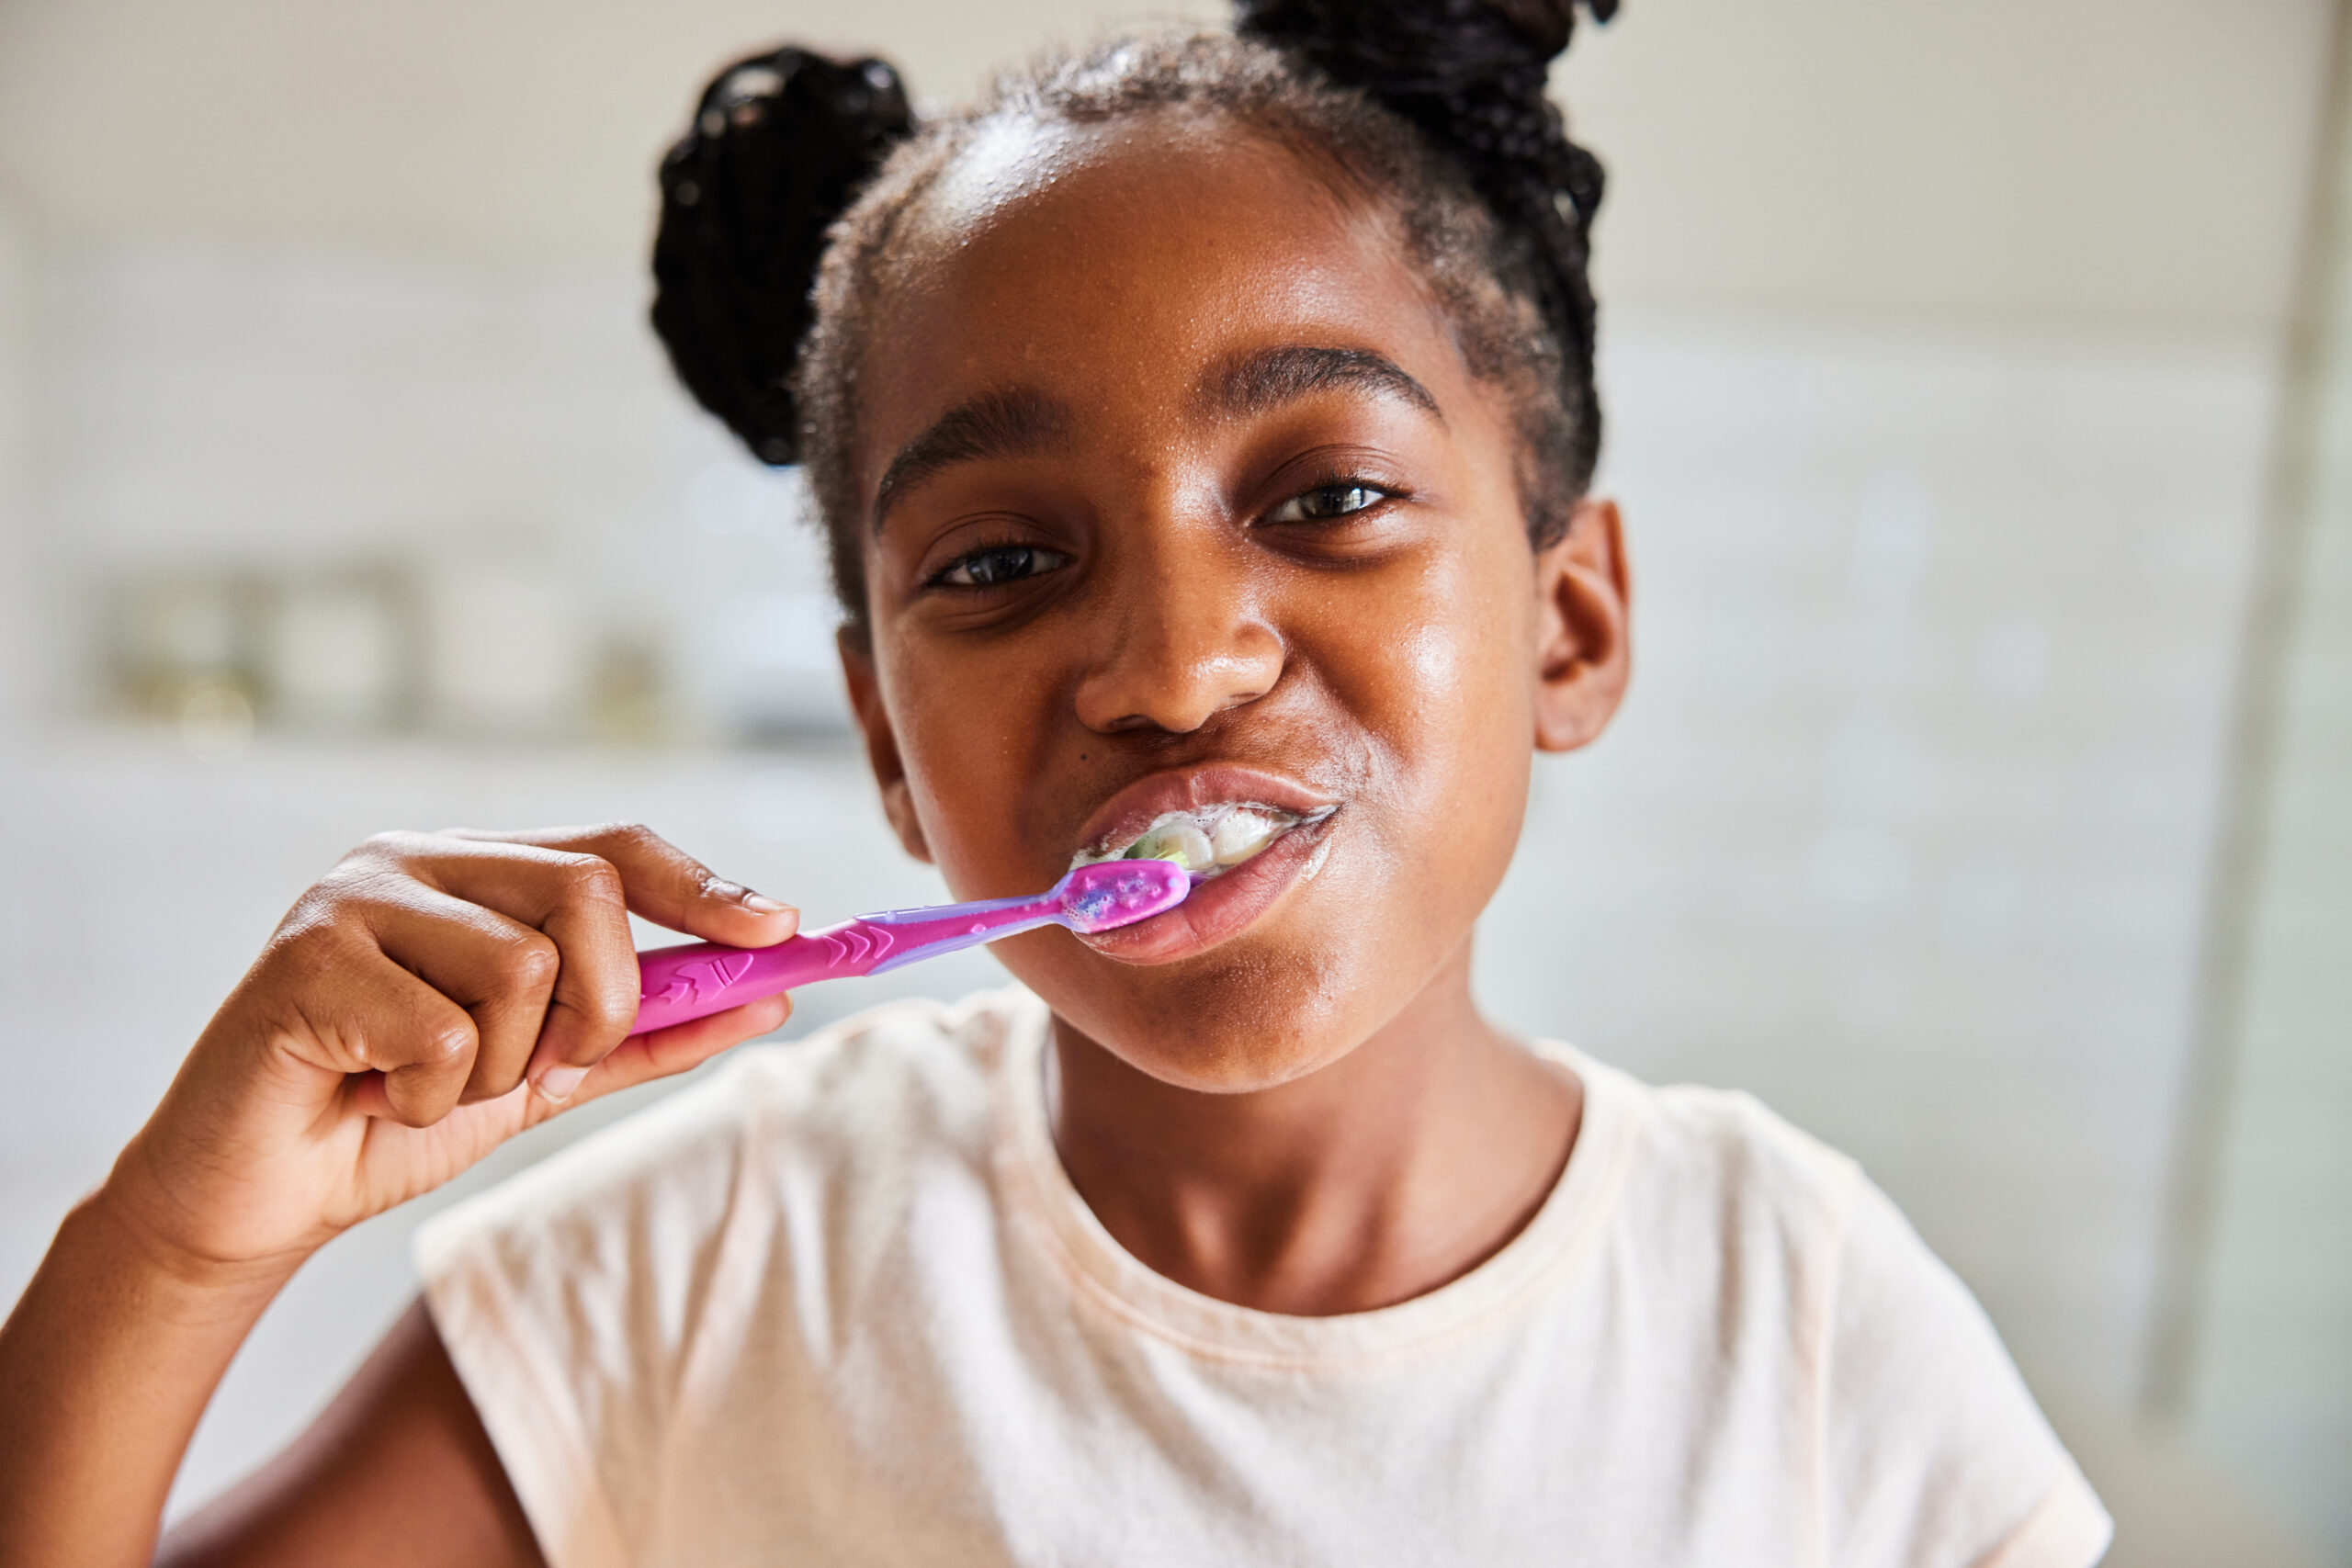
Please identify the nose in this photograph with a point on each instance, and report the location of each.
(1181, 637)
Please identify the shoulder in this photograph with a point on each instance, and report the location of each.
(1711, 1170)
(1740, 1142)
(1934, 1449)
(1728, 1225)
(878, 1085)
(1763, 1240)
(841, 1109)
(713, 1237)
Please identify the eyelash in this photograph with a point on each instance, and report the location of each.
(1054, 560)
(1377, 493)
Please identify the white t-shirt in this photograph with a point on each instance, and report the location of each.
(839, 1303)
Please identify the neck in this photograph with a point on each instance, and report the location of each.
(1400, 1166)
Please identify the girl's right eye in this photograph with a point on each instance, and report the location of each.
(999, 564)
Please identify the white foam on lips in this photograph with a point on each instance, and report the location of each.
(1205, 841)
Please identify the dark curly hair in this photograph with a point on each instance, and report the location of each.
(782, 205)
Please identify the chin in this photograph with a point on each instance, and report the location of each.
(1224, 1069)
(1229, 1071)
(1253, 1021)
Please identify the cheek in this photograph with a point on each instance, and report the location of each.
(1447, 689)
(962, 759)
(1445, 662)
(1432, 659)
(979, 725)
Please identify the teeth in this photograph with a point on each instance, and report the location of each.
(1243, 832)
(1205, 842)
(1177, 839)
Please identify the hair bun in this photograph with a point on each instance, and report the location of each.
(780, 144)
(1550, 23)
(1470, 75)
(1432, 37)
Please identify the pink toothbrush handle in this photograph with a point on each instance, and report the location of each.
(676, 985)
(679, 984)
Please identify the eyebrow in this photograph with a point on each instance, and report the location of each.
(1013, 422)
(1272, 377)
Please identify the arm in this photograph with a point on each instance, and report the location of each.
(400, 1457)
(432, 996)
(107, 1362)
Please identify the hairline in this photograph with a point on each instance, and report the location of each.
(1457, 248)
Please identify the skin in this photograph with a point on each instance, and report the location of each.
(1285, 1099)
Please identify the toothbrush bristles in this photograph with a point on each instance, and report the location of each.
(1110, 894)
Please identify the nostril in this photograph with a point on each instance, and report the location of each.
(1128, 724)
(1176, 673)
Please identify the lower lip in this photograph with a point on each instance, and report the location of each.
(1221, 907)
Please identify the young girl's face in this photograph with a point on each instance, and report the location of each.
(1180, 493)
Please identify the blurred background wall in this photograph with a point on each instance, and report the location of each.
(1981, 409)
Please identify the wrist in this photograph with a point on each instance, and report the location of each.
(106, 1365)
(121, 1218)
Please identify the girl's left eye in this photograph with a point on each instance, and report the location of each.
(999, 564)
(1328, 503)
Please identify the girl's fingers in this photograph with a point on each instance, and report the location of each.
(413, 1045)
(662, 1052)
(664, 884)
(501, 971)
(577, 886)
(670, 887)
(575, 903)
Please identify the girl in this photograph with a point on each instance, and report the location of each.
(1201, 424)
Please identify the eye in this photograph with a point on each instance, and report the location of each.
(1327, 502)
(999, 564)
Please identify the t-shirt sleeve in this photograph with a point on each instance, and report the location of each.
(1934, 1453)
(570, 1297)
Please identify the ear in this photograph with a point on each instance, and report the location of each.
(881, 742)
(1582, 659)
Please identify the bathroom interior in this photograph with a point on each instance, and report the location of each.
(1979, 382)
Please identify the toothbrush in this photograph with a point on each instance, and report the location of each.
(679, 984)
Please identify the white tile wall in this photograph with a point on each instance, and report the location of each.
(1906, 823)
(1904, 827)
(209, 409)
(20, 639)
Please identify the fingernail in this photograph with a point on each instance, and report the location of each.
(557, 1084)
(761, 904)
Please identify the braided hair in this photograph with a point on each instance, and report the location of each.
(782, 206)
(780, 144)
(1470, 75)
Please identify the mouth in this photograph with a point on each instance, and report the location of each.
(1206, 842)
(1244, 836)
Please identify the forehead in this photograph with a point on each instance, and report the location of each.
(1117, 263)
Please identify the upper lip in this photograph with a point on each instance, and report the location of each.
(1124, 817)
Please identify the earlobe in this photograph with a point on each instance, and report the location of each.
(881, 743)
(1582, 656)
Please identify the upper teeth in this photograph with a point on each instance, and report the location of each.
(1205, 841)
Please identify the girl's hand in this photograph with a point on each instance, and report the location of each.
(434, 996)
